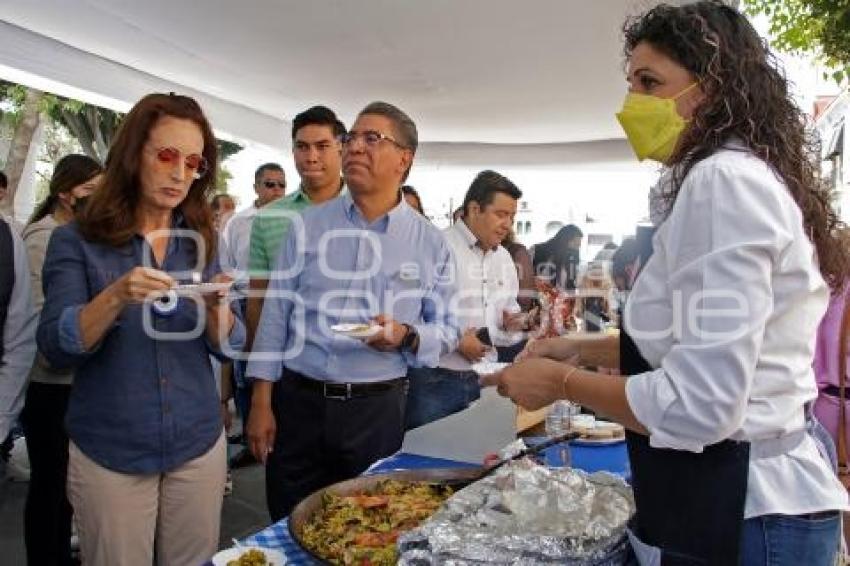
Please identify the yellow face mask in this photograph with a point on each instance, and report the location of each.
(652, 124)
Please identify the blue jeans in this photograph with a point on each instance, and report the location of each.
(780, 540)
(434, 393)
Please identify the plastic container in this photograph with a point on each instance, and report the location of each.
(557, 423)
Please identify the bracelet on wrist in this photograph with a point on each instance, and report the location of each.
(564, 380)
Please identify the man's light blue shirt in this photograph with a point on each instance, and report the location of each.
(337, 268)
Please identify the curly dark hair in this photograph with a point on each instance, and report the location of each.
(746, 98)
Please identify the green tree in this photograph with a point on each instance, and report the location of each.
(222, 175)
(817, 27)
(93, 127)
(28, 119)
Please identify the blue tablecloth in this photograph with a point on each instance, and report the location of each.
(610, 457)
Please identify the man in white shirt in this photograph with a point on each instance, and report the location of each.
(485, 303)
(270, 185)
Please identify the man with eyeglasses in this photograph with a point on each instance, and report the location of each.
(335, 403)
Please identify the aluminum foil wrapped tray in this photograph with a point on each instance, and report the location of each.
(526, 513)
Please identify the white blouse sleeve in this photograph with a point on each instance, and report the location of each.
(721, 243)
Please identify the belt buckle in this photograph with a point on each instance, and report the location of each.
(330, 387)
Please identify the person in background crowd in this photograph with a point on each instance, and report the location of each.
(727, 467)
(17, 332)
(317, 153)
(47, 514)
(606, 253)
(487, 287)
(595, 304)
(557, 259)
(223, 207)
(624, 269)
(833, 329)
(624, 264)
(336, 405)
(457, 214)
(146, 465)
(412, 198)
(4, 194)
(525, 271)
(269, 185)
(528, 298)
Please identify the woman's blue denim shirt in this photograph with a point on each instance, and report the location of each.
(144, 398)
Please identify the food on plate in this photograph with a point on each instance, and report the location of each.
(582, 423)
(252, 557)
(362, 528)
(593, 429)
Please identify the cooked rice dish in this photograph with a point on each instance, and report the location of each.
(362, 528)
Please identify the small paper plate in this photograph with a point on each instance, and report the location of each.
(359, 331)
(273, 557)
(486, 368)
(200, 288)
(581, 441)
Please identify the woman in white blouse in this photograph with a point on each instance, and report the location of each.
(719, 329)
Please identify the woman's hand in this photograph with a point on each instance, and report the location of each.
(215, 301)
(135, 286)
(559, 349)
(140, 283)
(531, 383)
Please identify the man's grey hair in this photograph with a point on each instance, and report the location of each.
(405, 128)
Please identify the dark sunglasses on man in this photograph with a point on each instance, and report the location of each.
(273, 184)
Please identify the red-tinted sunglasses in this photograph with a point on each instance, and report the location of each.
(195, 162)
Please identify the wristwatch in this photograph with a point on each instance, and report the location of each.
(410, 337)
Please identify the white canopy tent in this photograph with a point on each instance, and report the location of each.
(520, 86)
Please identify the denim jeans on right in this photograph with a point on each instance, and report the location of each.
(434, 393)
(785, 540)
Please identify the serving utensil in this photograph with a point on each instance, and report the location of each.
(530, 451)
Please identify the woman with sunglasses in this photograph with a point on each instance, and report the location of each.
(728, 467)
(47, 514)
(147, 458)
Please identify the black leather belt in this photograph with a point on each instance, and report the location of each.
(343, 391)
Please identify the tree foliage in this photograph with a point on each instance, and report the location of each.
(817, 27)
(93, 127)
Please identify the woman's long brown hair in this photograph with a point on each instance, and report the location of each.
(747, 99)
(109, 216)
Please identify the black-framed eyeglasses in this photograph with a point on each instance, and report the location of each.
(370, 137)
(273, 184)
